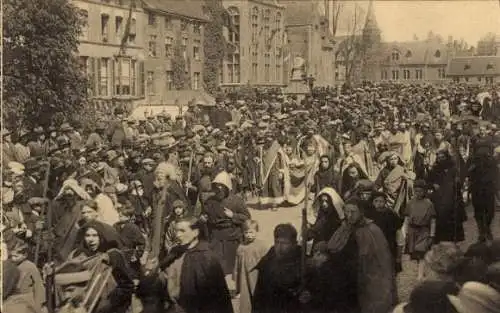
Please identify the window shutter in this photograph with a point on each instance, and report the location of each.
(98, 67)
(112, 77)
(141, 79)
(92, 80)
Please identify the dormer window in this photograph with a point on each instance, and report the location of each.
(467, 67)
(395, 56)
(489, 66)
(408, 54)
(437, 54)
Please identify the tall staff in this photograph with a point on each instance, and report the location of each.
(304, 232)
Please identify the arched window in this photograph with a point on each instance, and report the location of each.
(437, 54)
(395, 55)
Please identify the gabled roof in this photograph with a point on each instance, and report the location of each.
(474, 66)
(416, 52)
(187, 8)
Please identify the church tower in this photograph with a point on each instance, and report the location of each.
(371, 40)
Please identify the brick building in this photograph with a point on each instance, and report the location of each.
(169, 23)
(256, 36)
(114, 77)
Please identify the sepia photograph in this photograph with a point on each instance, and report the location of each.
(250, 156)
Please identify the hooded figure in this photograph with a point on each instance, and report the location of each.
(225, 214)
(328, 205)
(325, 176)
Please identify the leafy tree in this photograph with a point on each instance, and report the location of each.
(214, 43)
(42, 76)
(180, 80)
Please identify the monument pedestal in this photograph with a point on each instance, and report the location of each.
(297, 87)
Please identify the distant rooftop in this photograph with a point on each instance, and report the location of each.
(188, 8)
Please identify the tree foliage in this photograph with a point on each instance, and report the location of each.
(214, 44)
(180, 80)
(42, 76)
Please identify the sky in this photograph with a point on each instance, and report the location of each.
(467, 19)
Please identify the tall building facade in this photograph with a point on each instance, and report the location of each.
(115, 76)
(168, 25)
(309, 41)
(256, 39)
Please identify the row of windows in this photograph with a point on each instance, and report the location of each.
(407, 74)
(107, 28)
(109, 76)
(169, 81)
(395, 55)
(169, 47)
(487, 80)
(169, 23)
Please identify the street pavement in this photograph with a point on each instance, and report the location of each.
(406, 280)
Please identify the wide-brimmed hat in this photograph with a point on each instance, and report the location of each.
(65, 127)
(476, 297)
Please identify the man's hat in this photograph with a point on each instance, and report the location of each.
(38, 130)
(65, 127)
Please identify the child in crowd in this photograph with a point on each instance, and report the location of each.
(248, 255)
(390, 223)
(179, 212)
(131, 236)
(30, 281)
(420, 225)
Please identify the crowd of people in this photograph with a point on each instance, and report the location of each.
(158, 210)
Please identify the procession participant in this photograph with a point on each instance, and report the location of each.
(366, 280)
(420, 225)
(279, 272)
(447, 199)
(393, 180)
(483, 175)
(30, 281)
(195, 279)
(248, 255)
(390, 223)
(131, 237)
(99, 243)
(12, 299)
(225, 213)
(324, 176)
(328, 206)
(350, 178)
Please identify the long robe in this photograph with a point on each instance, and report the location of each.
(226, 232)
(245, 272)
(376, 284)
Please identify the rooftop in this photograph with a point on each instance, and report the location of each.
(187, 8)
(474, 66)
